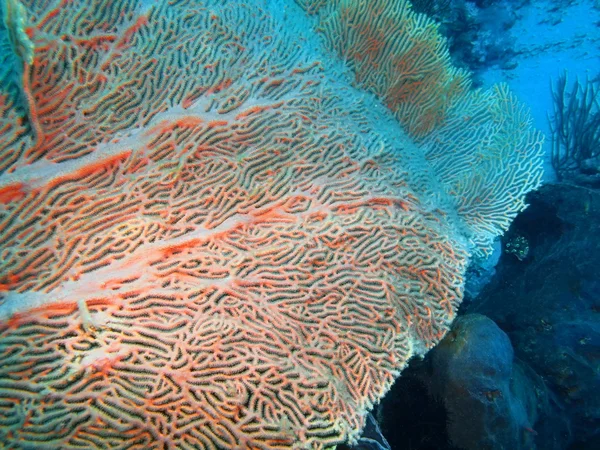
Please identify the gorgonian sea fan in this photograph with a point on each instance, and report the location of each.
(211, 239)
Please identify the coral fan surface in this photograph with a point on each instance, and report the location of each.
(213, 238)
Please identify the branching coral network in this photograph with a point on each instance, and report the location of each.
(223, 241)
(575, 127)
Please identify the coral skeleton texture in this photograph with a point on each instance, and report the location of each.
(480, 143)
(216, 241)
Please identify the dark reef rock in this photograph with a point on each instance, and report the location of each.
(527, 374)
(549, 302)
(490, 400)
(470, 392)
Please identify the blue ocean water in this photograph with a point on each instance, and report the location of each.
(232, 224)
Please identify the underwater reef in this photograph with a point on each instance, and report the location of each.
(229, 225)
(525, 374)
(549, 306)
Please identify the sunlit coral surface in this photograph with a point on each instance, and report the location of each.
(211, 239)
